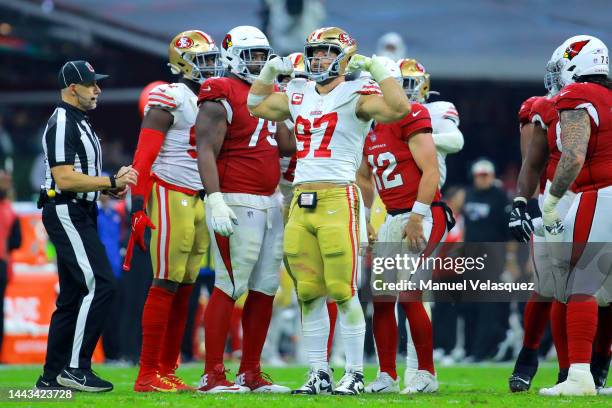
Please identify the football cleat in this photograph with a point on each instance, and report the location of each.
(154, 384)
(579, 382)
(600, 365)
(422, 382)
(383, 384)
(319, 382)
(351, 383)
(525, 369)
(257, 381)
(214, 382)
(604, 391)
(178, 382)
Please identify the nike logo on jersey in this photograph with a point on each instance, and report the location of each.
(415, 114)
(208, 88)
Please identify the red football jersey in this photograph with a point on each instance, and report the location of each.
(543, 112)
(386, 151)
(525, 109)
(249, 159)
(596, 172)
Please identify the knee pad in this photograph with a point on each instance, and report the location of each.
(339, 291)
(307, 291)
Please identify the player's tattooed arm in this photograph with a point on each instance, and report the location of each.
(535, 157)
(210, 129)
(575, 133)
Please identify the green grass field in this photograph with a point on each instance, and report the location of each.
(474, 385)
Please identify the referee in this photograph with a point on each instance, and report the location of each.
(73, 183)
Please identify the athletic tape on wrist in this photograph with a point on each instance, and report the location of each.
(420, 208)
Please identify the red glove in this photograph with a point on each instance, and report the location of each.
(140, 222)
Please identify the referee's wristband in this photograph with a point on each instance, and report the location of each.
(420, 208)
(113, 182)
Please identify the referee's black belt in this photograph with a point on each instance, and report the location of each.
(448, 213)
(63, 198)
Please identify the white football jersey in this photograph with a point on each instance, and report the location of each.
(329, 134)
(446, 134)
(177, 162)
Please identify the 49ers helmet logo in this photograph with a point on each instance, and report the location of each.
(574, 49)
(346, 39)
(183, 42)
(227, 42)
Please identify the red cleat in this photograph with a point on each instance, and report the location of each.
(180, 385)
(154, 384)
(256, 381)
(216, 382)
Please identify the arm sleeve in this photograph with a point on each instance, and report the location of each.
(150, 142)
(447, 137)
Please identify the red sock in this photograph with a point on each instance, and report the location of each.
(558, 327)
(154, 322)
(176, 329)
(384, 326)
(603, 338)
(216, 323)
(332, 311)
(537, 315)
(256, 317)
(235, 330)
(581, 327)
(422, 333)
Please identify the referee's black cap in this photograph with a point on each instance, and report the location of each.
(78, 72)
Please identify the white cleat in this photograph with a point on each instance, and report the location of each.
(422, 382)
(383, 384)
(351, 383)
(579, 382)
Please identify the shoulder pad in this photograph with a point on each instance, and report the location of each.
(167, 96)
(444, 110)
(214, 89)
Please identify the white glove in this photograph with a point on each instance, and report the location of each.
(553, 224)
(275, 67)
(538, 226)
(221, 215)
(373, 65)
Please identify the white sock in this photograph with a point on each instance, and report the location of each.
(352, 326)
(315, 328)
(412, 361)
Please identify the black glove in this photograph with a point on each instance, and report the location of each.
(520, 223)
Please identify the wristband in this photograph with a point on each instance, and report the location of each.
(254, 100)
(113, 182)
(420, 208)
(521, 199)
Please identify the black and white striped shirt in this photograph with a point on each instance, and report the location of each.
(68, 139)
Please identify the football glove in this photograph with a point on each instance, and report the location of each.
(520, 223)
(553, 224)
(222, 217)
(373, 65)
(275, 67)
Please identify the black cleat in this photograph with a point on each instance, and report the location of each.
(600, 365)
(525, 369)
(82, 379)
(45, 384)
(319, 382)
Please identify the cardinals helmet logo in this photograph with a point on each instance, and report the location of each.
(574, 49)
(227, 42)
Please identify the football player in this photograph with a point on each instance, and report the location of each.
(169, 201)
(332, 117)
(448, 140)
(585, 140)
(538, 131)
(402, 158)
(238, 158)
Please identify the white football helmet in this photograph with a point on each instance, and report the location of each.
(237, 52)
(582, 55)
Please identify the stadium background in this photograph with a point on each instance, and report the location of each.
(485, 56)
